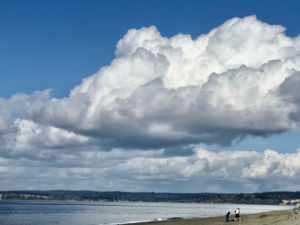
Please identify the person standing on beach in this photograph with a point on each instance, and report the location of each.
(227, 217)
(237, 214)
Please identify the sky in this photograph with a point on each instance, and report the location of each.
(148, 95)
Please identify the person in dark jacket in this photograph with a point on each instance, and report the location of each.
(227, 217)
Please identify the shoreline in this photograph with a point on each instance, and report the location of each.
(248, 218)
(281, 217)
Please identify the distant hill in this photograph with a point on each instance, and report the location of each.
(251, 198)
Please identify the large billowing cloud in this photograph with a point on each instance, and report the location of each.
(235, 81)
(164, 95)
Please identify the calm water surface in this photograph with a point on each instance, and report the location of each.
(96, 213)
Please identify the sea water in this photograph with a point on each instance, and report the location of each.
(96, 213)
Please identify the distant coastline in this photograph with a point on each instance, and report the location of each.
(270, 198)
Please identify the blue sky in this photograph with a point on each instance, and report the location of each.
(55, 44)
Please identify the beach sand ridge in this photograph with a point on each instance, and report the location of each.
(285, 217)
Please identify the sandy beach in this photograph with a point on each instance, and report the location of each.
(286, 217)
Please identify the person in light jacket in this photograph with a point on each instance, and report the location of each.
(237, 214)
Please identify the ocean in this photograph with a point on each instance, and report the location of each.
(109, 213)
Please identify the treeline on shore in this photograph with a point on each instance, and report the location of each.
(251, 198)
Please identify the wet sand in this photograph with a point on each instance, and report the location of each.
(286, 217)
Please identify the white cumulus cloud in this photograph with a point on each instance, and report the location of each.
(202, 171)
(161, 91)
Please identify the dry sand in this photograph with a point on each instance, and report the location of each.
(286, 217)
